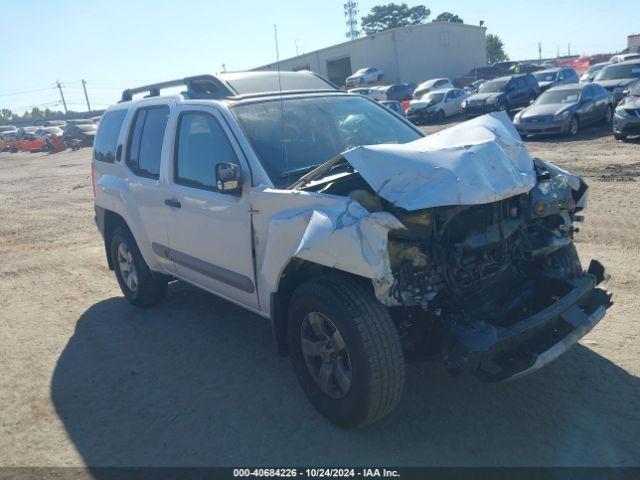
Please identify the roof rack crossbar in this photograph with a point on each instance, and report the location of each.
(200, 86)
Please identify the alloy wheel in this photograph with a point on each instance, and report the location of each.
(573, 126)
(325, 354)
(127, 267)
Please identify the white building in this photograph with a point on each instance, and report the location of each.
(407, 54)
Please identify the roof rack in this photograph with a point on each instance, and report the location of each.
(198, 87)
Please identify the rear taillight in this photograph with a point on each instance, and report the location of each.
(93, 181)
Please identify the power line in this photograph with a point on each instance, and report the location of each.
(23, 92)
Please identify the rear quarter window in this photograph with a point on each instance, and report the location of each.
(104, 148)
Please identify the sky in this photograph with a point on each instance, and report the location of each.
(115, 44)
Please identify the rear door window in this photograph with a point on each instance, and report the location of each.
(104, 148)
(145, 141)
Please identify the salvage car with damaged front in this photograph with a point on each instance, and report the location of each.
(363, 242)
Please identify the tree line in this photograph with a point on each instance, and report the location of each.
(6, 115)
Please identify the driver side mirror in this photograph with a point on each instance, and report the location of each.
(625, 93)
(228, 178)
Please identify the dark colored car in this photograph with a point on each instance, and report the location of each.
(553, 77)
(565, 109)
(626, 120)
(478, 73)
(85, 134)
(399, 92)
(618, 77)
(394, 106)
(504, 93)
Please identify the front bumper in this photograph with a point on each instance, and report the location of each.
(475, 109)
(420, 115)
(513, 351)
(543, 128)
(627, 124)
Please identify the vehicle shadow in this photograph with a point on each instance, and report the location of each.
(590, 132)
(196, 381)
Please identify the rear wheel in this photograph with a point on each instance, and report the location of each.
(139, 284)
(608, 116)
(345, 350)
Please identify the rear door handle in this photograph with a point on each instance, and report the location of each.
(172, 202)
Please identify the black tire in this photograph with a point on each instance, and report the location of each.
(440, 116)
(150, 288)
(379, 77)
(619, 136)
(608, 116)
(375, 355)
(574, 126)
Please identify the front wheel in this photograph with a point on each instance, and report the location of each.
(440, 116)
(608, 116)
(619, 136)
(345, 350)
(139, 284)
(574, 126)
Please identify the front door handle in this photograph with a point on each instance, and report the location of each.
(172, 202)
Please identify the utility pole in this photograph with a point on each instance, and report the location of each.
(62, 96)
(84, 87)
(224, 67)
(569, 49)
(539, 51)
(557, 51)
(297, 52)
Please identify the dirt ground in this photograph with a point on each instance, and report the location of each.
(88, 379)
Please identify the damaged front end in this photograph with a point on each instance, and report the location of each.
(499, 284)
(492, 285)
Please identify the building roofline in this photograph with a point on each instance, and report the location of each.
(371, 37)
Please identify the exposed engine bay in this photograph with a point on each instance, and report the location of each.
(465, 273)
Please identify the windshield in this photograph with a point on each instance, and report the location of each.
(620, 71)
(493, 86)
(87, 128)
(434, 97)
(307, 132)
(558, 96)
(427, 84)
(635, 90)
(545, 77)
(595, 68)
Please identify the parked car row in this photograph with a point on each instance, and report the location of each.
(550, 101)
(72, 133)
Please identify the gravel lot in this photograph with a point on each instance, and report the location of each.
(89, 380)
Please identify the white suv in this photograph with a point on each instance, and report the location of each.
(360, 239)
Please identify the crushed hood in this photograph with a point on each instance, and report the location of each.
(476, 162)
